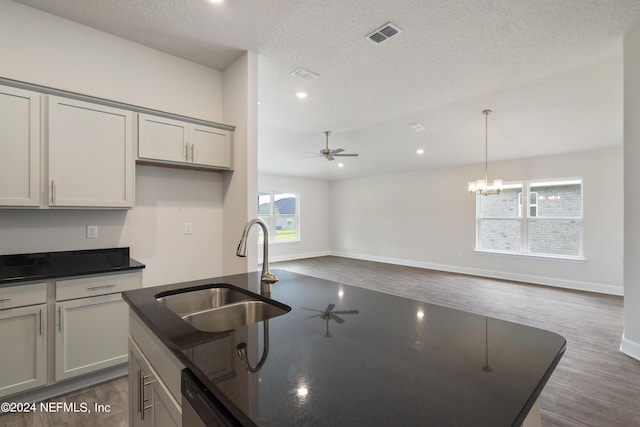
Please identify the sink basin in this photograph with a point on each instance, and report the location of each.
(233, 316)
(221, 308)
(189, 302)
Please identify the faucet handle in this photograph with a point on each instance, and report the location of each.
(269, 277)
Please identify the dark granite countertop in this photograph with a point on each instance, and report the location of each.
(18, 268)
(395, 362)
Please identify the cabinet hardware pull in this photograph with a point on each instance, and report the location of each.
(59, 319)
(141, 399)
(140, 394)
(93, 288)
(186, 152)
(192, 158)
(53, 192)
(5, 299)
(40, 320)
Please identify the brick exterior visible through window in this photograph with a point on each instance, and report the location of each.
(535, 218)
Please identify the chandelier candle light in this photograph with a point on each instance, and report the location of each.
(481, 186)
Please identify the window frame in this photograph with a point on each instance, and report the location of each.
(525, 218)
(271, 219)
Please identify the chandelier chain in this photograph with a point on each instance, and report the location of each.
(486, 142)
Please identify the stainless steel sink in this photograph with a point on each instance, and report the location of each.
(218, 309)
(233, 316)
(193, 301)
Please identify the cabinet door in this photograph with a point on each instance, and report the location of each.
(165, 411)
(19, 147)
(162, 139)
(150, 402)
(139, 381)
(91, 334)
(210, 146)
(23, 332)
(90, 155)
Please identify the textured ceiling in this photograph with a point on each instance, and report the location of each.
(550, 70)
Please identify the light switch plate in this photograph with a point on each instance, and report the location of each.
(187, 228)
(92, 231)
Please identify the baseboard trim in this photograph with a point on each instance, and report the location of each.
(537, 280)
(292, 257)
(630, 348)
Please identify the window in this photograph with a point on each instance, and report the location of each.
(280, 212)
(534, 218)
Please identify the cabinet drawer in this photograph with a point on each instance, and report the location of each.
(22, 295)
(96, 285)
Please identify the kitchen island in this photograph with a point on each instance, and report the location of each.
(348, 356)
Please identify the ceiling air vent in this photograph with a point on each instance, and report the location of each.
(305, 75)
(416, 126)
(383, 33)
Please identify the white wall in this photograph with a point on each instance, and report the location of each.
(427, 219)
(314, 216)
(631, 339)
(43, 49)
(241, 187)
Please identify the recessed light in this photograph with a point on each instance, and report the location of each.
(420, 151)
(340, 165)
(216, 1)
(301, 95)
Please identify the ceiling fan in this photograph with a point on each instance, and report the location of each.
(329, 154)
(329, 313)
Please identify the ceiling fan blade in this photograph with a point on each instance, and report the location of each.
(347, 312)
(337, 318)
(315, 315)
(330, 308)
(329, 157)
(337, 150)
(346, 155)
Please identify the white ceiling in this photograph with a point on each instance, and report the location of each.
(550, 70)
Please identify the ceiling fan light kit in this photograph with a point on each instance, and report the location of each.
(481, 186)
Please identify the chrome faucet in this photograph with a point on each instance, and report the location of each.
(266, 278)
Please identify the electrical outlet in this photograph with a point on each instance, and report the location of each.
(92, 231)
(187, 228)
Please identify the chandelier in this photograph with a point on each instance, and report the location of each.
(482, 186)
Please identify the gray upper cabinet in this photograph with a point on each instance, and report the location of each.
(64, 150)
(90, 155)
(174, 142)
(19, 147)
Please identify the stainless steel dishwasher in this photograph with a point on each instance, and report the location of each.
(200, 407)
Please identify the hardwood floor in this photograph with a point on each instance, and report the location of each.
(114, 393)
(594, 384)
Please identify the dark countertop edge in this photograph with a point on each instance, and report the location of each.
(57, 258)
(130, 298)
(36, 278)
(538, 390)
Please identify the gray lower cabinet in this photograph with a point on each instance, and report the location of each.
(90, 335)
(63, 329)
(91, 323)
(154, 379)
(150, 402)
(23, 332)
